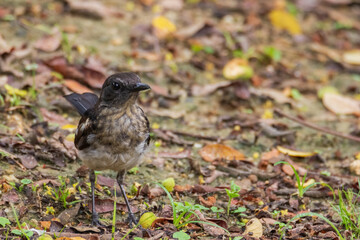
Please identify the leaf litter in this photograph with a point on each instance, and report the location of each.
(237, 88)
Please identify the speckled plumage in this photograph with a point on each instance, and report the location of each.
(113, 132)
(115, 139)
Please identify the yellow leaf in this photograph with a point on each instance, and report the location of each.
(169, 184)
(268, 114)
(14, 91)
(70, 137)
(163, 26)
(68, 127)
(147, 219)
(294, 153)
(284, 20)
(237, 68)
(307, 183)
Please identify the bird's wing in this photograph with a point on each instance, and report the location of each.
(85, 128)
(82, 102)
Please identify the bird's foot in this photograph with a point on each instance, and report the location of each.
(95, 221)
(132, 220)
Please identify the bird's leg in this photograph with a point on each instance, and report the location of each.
(95, 216)
(120, 180)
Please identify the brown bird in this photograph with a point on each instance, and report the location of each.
(113, 132)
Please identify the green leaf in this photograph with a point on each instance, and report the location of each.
(4, 221)
(240, 210)
(217, 210)
(209, 50)
(16, 232)
(26, 181)
(273, 53)
(181, 235)
(234, 187)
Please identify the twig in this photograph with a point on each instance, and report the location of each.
(315, 127)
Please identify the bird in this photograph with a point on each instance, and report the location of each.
(113, 132)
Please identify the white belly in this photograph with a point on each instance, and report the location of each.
(100, 159)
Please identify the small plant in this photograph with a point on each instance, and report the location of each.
(217, 211)
(21, 231)
(311, 214)
(183, 213)
(301, 182)
(281, 226)
(349, 211)
(4, 222)
(20, 187)
(273, 53)
(32, 90)
(66, 47)
(232, 193)
(241, 211)
(61, 193)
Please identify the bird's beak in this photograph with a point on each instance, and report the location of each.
(140, 87)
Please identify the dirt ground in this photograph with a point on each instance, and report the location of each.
(236, 87)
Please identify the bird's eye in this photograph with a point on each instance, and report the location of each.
(115, 85)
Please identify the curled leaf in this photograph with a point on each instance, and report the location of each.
(294, 153)
(147, 219)
(212, 152)
(339, 104)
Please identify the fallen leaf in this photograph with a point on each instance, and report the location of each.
(339, 104)
(61, 65)
(254, 228)
(294, 153)
(198, 90)
(352, 57)
(355, 167)
(49, 43)
(107, 205)
(212, 152)
(76, 87)
(283, 20)
(53, 117)
(14, 91)
(28, 161)
(237, 68)
(210, 229)
(307, 183)
(209, 202)
(163, 26)
(69, 214)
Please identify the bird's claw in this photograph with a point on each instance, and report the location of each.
(96, 222)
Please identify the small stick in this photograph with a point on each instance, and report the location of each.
(317, 128)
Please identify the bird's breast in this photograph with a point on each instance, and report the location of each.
(118, 141)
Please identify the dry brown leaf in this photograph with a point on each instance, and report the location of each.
(198, 90)
(339, 104)
(76, 86)
(212, 152)
(49, 43)
(209, 202)
(254, 227)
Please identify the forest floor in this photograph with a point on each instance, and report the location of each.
(237, 89)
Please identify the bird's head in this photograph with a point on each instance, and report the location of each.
(121, 88)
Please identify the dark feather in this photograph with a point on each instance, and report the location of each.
(82, 102)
